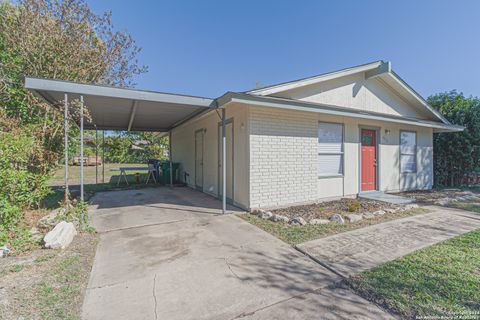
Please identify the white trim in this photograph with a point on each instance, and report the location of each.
(274, 102)
(315, 79)
(39, 84)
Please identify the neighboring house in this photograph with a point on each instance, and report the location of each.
(328, 136)
(334, 135)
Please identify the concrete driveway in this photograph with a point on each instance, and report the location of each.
(353, 252)
(169, 254)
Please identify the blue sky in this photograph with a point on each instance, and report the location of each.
(208, 47)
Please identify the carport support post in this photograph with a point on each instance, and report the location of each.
(96, 155)
(81, 160)
(224, 163)
(103, 156)
(65, 141)
(170, 157)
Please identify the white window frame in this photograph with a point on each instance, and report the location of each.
(408, 154)
(341, 153)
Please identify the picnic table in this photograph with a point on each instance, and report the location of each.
(123, 172)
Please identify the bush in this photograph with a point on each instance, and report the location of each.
(353, 206)
(9, 214)
(20, 186)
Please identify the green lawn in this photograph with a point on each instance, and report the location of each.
(111, 176)
(299, 234)
(111, 179)
(435, 281)
(468, 205)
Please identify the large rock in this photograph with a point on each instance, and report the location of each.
(278, 218)
(379, 213)
(61, 236)
(319, 221)
(266, 215)
(48, 221)
(337, 218)
(368, 215)
(353, 217)
(298, 221)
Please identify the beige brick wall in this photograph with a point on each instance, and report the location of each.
(283, 157)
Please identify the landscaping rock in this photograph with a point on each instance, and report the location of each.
(411, 206)
(465, 197)
(319, 221)
(278, 218)
(368, 215)
(297, 221)
(442, 202)
(49, 220)
(337, 218)
(379, 213)
(257, 212)
(61, 236)
(390, 210)
(4, 251)
(266, 215)
(354, 217)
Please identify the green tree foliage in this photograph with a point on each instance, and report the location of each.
(57, 39)
(456, 154)
(135, 147)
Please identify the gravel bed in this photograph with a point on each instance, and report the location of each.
(325, 210)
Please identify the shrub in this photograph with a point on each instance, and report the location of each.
(9, 214)
(353, 206)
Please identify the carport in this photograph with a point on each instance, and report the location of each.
(125, 109)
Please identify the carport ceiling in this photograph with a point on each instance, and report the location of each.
(114, 108)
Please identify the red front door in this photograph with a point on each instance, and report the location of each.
(369, 159)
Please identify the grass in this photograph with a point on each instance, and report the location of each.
(298, 234)
(53, 200)
(89, 174)
(435, 281)
(52, 285)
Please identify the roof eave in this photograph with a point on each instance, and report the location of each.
(233, 97)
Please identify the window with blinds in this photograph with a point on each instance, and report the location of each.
(330, 149)
(408, 151)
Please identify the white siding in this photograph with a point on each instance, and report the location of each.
(284, 158)
(354, 91)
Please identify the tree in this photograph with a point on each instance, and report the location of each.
(456, 154)
(58, 39)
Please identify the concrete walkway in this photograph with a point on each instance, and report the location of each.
(168, 254)
(353, 252)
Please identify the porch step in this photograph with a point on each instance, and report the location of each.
(385, 197)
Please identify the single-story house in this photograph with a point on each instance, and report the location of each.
(333, 135)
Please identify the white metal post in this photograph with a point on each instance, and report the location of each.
(65, 137)
(81, 159)
(103, 156)
(224, 163)
(81, 148)
(170, 157)
(96, 155)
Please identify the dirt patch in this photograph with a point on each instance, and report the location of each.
(31, 217)
(47, 284)
(325, 210)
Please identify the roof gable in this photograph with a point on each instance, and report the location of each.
(370, 87)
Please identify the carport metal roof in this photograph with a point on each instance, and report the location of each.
(114, 108)
(122, 108)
